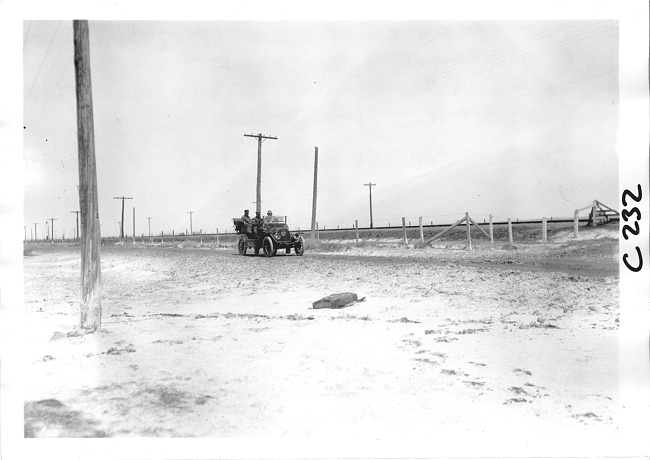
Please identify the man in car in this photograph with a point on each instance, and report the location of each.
(247, 221)
(257, 222)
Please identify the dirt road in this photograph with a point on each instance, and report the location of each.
(201, 342)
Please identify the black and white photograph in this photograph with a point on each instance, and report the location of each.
(327, 233)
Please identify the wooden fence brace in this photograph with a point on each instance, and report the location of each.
(544, 228)
(510, 231)
(491, 229)
(406, 241)
(593, 214)
(421, 231)
(356, 229)
(437, 235)
(477, 226)
(469, 233)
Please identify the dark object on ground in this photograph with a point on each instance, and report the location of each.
(340, 300)
(269, 236)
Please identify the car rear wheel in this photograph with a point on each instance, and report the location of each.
(267, 247)
(242, 245)
(300, 246)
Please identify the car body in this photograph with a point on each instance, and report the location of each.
(270, 235)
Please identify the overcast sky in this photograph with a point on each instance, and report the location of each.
(511, 118)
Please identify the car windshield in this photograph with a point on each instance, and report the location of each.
(274, 226)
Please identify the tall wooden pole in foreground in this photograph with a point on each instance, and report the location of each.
(313, 207)
(91, 310)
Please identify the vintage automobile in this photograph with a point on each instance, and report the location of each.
(270, 236)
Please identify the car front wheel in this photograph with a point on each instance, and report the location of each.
(267, 247)
(300, 246)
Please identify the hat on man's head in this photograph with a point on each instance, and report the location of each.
(245, 210)
(269, 212)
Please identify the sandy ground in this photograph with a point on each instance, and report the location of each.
(516, 346)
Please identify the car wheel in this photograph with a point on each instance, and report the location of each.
(267, 246)
(288, 250)
(242, 246)
(300, 246)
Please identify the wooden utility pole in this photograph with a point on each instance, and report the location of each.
(149, 219)
(190, 213)
(122, 221)
(51, 219)
(35, 234)
(133, 225)
(258, 196)
(313, 207)
(77, 213)
(370, 185)
(91, 312)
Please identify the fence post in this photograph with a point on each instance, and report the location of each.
(575, 223)
(421, 231)
(469, 234)
(593, 214)
(317, 232)
(406, 241)
(510, 231)
(162, 237)
(491, 229)
(356, 228)
(544, 229)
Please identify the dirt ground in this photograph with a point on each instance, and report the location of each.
(515, 345)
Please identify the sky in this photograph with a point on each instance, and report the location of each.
(516, 119)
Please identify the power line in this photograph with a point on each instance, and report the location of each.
(27, 34)
(451, 75)
(65, 68)
(42, 62)
(498, 101)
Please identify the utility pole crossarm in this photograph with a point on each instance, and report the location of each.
(260, 136)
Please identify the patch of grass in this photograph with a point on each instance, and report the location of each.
(470, 331)
(425, 360)
(518, 390)
(432, 331)
(516, 400)
(52, 418)
(403, 319)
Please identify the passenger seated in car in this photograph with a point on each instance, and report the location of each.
(248, 223)
(257, 223)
